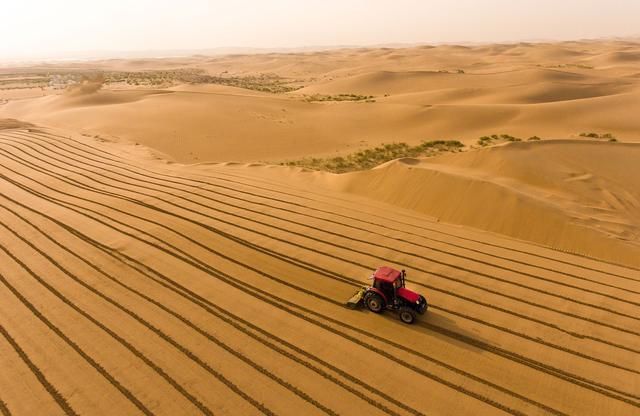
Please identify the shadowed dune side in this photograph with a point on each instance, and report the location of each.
(578, 196)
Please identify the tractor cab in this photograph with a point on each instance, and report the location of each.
(388, 281)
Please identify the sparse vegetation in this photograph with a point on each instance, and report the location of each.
(159, 78)
(579, 66)
(533, 138)
(495, 139)
(263, 82)
(340, 97)
(599, 136)
(369, 158)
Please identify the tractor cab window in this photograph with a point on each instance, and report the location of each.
(397, 284)
(388, 289)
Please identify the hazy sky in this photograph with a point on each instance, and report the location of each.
(44, 28)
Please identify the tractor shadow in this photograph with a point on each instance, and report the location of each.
(435, 324)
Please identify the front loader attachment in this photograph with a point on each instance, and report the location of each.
(356, 300)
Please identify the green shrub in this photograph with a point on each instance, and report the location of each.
(340, 97)
(369, 158)
(591, 135)
(598, 136)
(494, 138)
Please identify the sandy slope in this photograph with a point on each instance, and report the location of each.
(453, 92)
(577, 196)
(133, 286)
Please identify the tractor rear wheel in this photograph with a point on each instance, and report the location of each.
(374, 302)
(407, 315)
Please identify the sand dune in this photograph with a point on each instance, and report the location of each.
(450, 92)
(217, 289)
(576, 196)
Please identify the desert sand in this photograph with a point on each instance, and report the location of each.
(446, 92)
(156, 257)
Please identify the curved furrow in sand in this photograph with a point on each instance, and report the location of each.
(233, 320)
(193, 326)
(60, 401)
(571, 351)
(383, 236)
(146, 267)
(479, 273)
(352, 239)
(273, 185)
(579, 353)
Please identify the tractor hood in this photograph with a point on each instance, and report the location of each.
(408, 295)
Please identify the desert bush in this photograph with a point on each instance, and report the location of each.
(369, 158)
(532, 138)
(509, 138)
(495, 138)
(591, 135)
(340, 97)
(598, 136)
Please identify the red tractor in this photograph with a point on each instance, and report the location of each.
(388, 291)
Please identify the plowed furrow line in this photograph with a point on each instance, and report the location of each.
(125, 392)
(118, 338)
(79, 210)
(298, 196)
(304, 247)
(4, 409)
(164, 185)
(525, 317)
(563, 252)
(314, 268)
(520, 315)
(324, 230)
(537, 340)
(521, 335)
(187, 322)
(329, 273)
(55, 394)
(269, 298)
(224, 316)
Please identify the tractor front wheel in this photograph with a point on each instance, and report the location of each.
(374, 302)
(407, 315)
